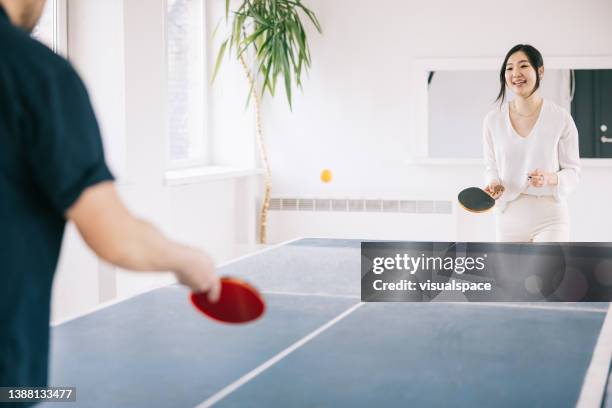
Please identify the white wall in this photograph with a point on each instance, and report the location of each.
(96, 42)
(230, 122)
(355, 115)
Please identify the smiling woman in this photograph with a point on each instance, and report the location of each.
(531, 149)
(522, 72)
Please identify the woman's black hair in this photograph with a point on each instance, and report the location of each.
(536, 61)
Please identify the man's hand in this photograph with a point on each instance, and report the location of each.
(538, 178)
(197, 271)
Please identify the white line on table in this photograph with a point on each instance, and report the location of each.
(544, 306)
(320, 294)
(594, 385)
(558, 307)
(224, 392)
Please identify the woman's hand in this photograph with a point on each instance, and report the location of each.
(538, 178)
(494, 189)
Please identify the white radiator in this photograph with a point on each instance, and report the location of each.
(422, 220)
(361, 205)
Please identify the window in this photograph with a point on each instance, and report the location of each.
(51, 28)
(186, 82)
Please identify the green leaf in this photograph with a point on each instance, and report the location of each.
(263, 48)
(248, 40)
(219, 59)
(237, 30)
(260, 18)
(267, 72)
(309, 14)
(214, 33)
(287, 75)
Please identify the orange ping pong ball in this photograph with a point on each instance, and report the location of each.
(326, 176)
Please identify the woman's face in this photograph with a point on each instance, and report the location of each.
(521, 75)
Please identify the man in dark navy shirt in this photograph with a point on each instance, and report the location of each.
(52, 169)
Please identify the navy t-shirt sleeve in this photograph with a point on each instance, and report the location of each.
(65, 148)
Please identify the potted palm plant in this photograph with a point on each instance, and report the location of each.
(269, 36)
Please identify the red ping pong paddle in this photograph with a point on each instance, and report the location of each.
(239, 302)
(477, 200)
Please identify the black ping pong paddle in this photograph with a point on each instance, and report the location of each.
(239, 302)
(477, 200)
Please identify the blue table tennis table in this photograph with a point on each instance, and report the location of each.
(319, 346)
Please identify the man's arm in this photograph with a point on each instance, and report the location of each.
(128, 242)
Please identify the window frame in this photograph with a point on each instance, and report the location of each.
(204, 159)
(59, 19)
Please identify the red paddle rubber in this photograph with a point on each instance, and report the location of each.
(239, 302)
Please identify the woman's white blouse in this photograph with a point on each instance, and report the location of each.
(552, 146)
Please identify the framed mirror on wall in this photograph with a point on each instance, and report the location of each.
(453, 97)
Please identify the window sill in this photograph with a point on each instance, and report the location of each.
(207, 173)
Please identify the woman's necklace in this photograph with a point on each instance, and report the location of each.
(528, 115)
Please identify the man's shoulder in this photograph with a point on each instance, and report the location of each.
(23, 56)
